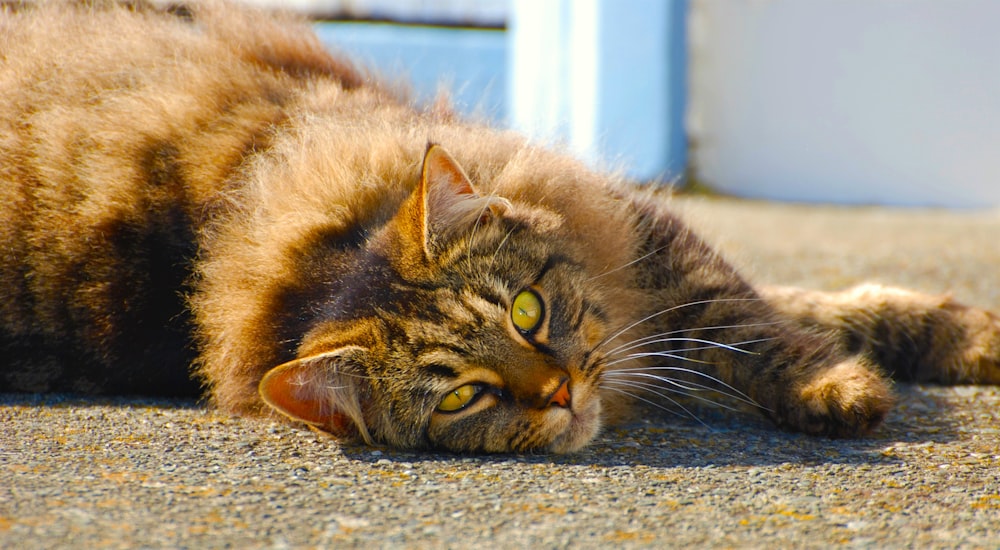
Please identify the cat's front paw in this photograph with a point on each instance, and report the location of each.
(847, 400)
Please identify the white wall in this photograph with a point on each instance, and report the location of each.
(853, 101)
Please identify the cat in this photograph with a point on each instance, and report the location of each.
(200, 198)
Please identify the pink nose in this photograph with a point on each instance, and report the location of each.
(561, 397)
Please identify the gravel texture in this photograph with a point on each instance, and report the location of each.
(88, 473)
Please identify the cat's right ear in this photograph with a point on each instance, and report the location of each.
(323, 390)
(445, 203)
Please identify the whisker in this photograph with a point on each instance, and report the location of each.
(692, 386)
(733, 392)
(659, 405)
(664, 354)
(500, 247)
(711, 344)
(681, 388)
(475, 228)
(656, 389)
(653, 337)
(633, 262)
(672, 353)
(494, 194)
(629, 327)
(740, 343)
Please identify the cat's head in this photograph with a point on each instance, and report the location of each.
(465, 323)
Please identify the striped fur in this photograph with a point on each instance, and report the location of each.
(205, 186)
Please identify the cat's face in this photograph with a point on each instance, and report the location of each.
(468, 326)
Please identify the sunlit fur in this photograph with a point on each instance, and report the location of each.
(207, 186)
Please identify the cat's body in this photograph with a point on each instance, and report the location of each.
(208, 186)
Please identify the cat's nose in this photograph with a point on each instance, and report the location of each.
(561, 397)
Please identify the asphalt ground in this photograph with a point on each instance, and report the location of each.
(128, 473)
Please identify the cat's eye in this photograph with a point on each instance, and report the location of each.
(460, 397)
(527, 311)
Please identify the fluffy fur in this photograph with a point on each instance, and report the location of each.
(207, 186)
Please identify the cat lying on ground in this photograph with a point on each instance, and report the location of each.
(206, 185)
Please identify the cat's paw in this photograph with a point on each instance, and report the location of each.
(847, 400)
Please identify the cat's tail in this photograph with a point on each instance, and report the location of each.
(912, 336)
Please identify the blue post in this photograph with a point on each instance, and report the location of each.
(605, 77)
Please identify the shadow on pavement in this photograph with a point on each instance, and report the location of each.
(723, 438)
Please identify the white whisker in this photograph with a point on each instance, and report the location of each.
(694, 386)
(633, 262)
(668, 310)
(673, 352)
(732, 392)
(740, 343)
(663, 354)
(659, 405)
(710, 344)
(486, 205)
(500, 247)
(687, 392)
(655, 338)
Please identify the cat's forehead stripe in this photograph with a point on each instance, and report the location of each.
(441, 370)
(553, 261)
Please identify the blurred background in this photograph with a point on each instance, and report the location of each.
(883, 102)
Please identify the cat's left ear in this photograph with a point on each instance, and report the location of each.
(445, 201)
(323, 390)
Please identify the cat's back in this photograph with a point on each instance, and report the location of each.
(73, 75)
(65, 45)
(121, 125)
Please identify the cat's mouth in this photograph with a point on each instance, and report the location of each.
(582, 425)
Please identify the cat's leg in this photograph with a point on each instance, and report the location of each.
(911, 335)
(706, 326)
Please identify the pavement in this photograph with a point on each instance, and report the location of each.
(127, 473)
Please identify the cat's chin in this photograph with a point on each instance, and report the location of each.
(583, 426)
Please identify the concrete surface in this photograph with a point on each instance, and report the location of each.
(137, 473)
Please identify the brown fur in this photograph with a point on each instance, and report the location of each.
(208, 186)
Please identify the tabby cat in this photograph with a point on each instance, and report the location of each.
(201, 198)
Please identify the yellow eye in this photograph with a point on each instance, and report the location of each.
(527, 311)
(459, 398)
